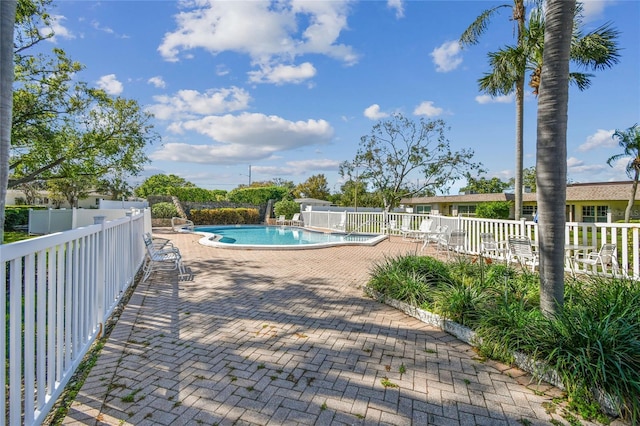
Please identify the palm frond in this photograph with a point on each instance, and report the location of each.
(597, 50)
(582, 80)
(472, 34)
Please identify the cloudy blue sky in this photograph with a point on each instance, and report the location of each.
(287, 88)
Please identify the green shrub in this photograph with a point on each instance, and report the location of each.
(198, 195)
(494, 210)
(257, 196)
(287, 208)
(163, 211)
(225, 216)
(15, 216)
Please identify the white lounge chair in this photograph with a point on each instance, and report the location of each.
(521, 249)
(489, 247)
(607, 255)
(295, 220)
(455, 241)
(423, 231)
(281, 220)
(162, 255)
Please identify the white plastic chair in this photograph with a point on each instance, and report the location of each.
(455, 241)
(295, 220)
(161, 256)
(607, 255)
(489, 247)
(521, 249)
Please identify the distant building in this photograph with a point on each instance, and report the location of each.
(17, 197)
(586, 202)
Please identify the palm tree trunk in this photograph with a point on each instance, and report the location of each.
(7, 23)
(519, 12)
(551, 161)
(632, 198)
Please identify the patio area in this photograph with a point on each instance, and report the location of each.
(263, 337)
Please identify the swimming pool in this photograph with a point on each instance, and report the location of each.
(278, 237)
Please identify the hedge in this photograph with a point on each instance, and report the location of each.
(225, 216)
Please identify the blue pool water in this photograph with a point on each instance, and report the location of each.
(258, 236)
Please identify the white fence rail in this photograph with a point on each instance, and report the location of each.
(625, 235)
(59, 290)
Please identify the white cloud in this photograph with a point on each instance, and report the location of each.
(488, 99)
(57, 29)
(158, 82)
(575, 165)
(600, 139)
(244, 137)
(592, 9)
(428, 109)
(281, 74)
(398, 5)
(447, 56)
(110, 84)
(186, 104)
(269, 32)
(373, 112)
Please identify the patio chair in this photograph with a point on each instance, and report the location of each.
(161, 256)
(422, 232)
(521, 249)
(435, 236)
(405, 227)
(607, 255)
(455, 241)
(295, 220)
(489, 247)
(281, 220)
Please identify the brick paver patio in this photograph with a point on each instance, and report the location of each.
(287, 337)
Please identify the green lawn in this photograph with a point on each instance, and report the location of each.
(13, 236)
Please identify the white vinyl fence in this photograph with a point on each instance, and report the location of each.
(59, 290)
(625, 235)
(42, 222)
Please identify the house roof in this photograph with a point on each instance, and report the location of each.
(594, 191)
(311, 201)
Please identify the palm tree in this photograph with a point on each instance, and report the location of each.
(551, 152)
(629, 141)
(7, 23)
(471, 36)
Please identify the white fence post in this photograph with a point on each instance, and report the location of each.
(100, 273)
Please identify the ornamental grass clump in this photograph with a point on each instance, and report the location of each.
(410, 279)
(594, 344)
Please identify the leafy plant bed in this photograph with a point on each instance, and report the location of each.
(591, 349)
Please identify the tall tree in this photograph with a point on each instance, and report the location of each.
(315, 186)
(551, 152)
(160, 184)
(399, 150)
(7, 23)
(471, 36)
(629, 141)
(482, 185)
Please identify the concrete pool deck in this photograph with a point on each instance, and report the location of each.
(263, 337)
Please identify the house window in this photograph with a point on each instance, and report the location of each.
(594, 213)
(467, 210)
(528, 210)
(423, 209)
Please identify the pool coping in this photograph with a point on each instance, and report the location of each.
(208, 239)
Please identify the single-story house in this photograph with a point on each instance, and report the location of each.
(17, 197)
(586, 202)
(304, 202)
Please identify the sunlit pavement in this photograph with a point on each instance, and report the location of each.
(260, 337)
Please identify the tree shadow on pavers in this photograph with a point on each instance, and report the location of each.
(242, 342)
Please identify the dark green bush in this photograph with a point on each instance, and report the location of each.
(494, 210)
(287, 208)
(15, 216)
(163, 211)
(257, 196)
(198, 195)
(225, 216)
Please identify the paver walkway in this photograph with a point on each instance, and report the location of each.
(287, 337)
